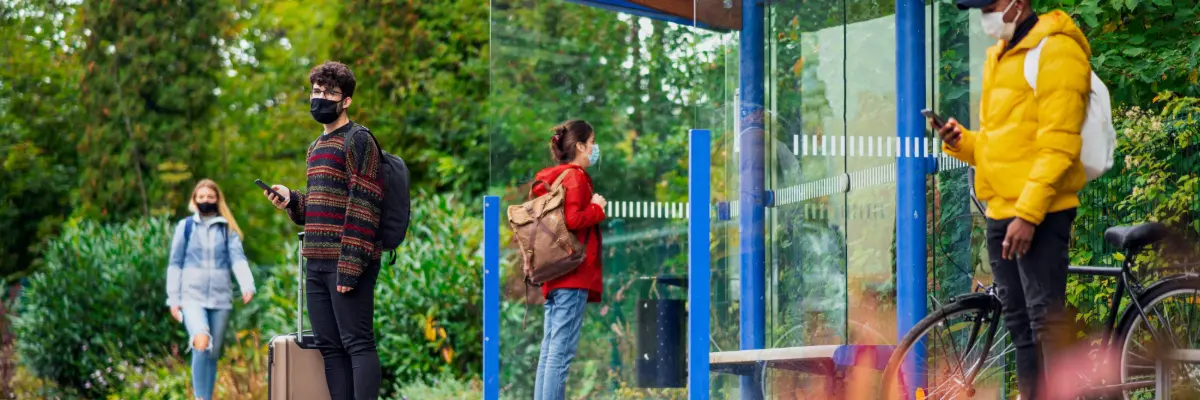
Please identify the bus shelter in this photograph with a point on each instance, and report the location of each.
(778, 214)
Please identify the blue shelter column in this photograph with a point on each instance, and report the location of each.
(751, 232)
(911, 169)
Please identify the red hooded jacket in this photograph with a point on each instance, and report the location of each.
(583, 218)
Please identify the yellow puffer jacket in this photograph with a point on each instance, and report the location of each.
(1026, 152)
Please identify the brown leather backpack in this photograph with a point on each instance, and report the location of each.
(549, 250)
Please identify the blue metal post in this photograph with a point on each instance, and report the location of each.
(699, 278)
(491, 298)
(910, 180)
(751, 200)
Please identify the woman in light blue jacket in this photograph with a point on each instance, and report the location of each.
(206, 248)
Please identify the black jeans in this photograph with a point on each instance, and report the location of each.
(343, 326)
(1033, 289)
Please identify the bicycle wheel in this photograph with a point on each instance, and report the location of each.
(963, 352)
(1172, 321)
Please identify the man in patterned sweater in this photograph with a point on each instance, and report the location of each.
(340, 215)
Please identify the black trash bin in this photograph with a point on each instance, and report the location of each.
(661, 339)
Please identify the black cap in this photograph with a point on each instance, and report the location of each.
(968, 4)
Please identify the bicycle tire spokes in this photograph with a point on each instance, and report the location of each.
(964, 356)
(1166, 324)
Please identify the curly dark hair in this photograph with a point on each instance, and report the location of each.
(333, 74)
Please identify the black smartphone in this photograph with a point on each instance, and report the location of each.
(937, 119)
(264, 186)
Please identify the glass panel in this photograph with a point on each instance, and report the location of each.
(716, 69)
(639, 82)
(871, 116)
(718, 62)
(956, 231)
(806, 167)
(958, 261)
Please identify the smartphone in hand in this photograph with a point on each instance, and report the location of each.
(264, 186)
(949, 136)
(938, 122)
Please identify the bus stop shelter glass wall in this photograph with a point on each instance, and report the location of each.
(642, 83)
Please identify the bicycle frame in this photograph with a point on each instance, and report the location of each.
(1126, 284)
(1124, 287)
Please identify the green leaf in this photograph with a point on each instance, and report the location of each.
(1134, 51)
(1119, 256)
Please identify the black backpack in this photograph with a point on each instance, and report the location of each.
(394, 211)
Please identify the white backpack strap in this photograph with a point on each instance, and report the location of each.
(1031, 64)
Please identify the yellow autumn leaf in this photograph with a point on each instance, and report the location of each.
(448, 354)
(798, 66)
(430, 334)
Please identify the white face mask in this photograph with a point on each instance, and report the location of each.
(994, 25)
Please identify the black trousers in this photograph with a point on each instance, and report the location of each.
(1033, 289)
(343, 326)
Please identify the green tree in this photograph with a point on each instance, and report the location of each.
(149, 90)
(261, 125)
(1140, 47)
(422, 84)
(39, 113)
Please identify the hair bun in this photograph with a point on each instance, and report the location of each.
(558, 134)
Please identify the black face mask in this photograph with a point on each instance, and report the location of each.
(325, 111)
(206, 208)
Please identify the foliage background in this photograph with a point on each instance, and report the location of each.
(111, 110)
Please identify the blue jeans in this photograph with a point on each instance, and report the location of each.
(210, 322)
(564, 318)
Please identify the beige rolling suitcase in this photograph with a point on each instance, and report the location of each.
(295, 370)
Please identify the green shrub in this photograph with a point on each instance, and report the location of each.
(100, 296)
(1155, 178)
(24, 385)
(242, 373)
(445, 387)
(427, 317)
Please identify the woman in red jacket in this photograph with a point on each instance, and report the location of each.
(573, 147)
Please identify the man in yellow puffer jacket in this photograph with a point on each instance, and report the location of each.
(1026, 154)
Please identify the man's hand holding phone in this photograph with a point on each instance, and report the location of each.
(950, 131)
(279, 201)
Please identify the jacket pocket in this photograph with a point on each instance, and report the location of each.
(195, 281)
(220, 285)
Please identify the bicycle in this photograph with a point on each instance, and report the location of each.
(974, 321)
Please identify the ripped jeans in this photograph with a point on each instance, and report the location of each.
(211, 322)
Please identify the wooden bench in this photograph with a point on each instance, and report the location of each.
(829, 361)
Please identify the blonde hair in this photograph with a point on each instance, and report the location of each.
(222, 208)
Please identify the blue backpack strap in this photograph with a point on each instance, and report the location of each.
(187, 231)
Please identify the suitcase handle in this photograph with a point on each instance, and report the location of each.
(300, 290)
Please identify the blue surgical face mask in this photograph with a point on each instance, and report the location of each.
(594, 158)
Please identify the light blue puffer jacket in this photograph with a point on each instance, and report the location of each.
(199, 274)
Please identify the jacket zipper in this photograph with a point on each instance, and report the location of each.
(208, 273)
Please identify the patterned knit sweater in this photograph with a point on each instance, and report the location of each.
(340, 211)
